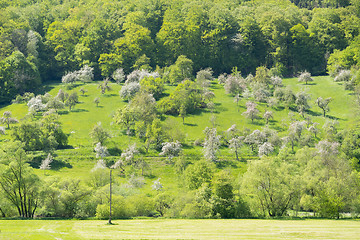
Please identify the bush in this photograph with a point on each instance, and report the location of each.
(142, 205)
(120, 208)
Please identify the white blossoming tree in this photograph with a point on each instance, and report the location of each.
(46, 163)
(8, 119)
(171, 149)
(251, 111)
(211, 144)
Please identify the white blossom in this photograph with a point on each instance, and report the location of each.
(265, 149)
(157, 185)
(171, 149)
(101, 151)
(45, 164)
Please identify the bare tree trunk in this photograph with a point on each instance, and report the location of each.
(110, 199)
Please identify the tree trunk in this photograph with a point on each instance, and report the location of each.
(110, 199)
(2, 212)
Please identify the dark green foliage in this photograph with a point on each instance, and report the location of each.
(186, 95)
(46, 134)
(44, 41)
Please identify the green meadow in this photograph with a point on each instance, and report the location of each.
(179, 229)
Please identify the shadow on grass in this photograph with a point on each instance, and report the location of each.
(314, 114)
(334, 118)
(79, 110)
(225, 163)
(309, 83)
(55, 164)
(110, 95)
(190, 124)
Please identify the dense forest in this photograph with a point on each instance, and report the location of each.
(217, 112)
(42, 40)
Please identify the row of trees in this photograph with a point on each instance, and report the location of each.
(320, 180)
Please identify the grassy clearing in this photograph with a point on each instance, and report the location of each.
(180, 229)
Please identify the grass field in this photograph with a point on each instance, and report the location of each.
(180, 229)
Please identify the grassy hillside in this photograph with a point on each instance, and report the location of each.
(79, 122)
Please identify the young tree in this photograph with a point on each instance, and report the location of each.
(236, 100)
(302, 102)
(62, 96)
(85, 74)
(2, 130)
(267, 116)
(295, 131)
(323, 104)
(129, 90)
(36, 104)
(305, 77)
(118, 75)
(171, 150)
(99, 134)
(255, 139)
(211, 144)
(82, 90)
(104, 86)
(97, 101)
(125, 117)
(157, 185)
(235, 145)
(8, 119)
(265, 149)
(55, 104)
(45, 164)
(72, 100)
(233, 85)
(69, 78)
(182, 112)
(251, 111)
(101, 152)
(276, 81)
(129, 154)
(313, 129)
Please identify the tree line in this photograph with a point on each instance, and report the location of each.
(45, 40)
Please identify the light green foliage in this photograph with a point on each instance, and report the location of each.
(269, 184)
(120, 209)
(154, 86)
(198, 173)
(99, 134)
(72, 100)
(62, 199)
(323, 104)
(180, 70)
(329, 180)
(19, 183)
(125, 116)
